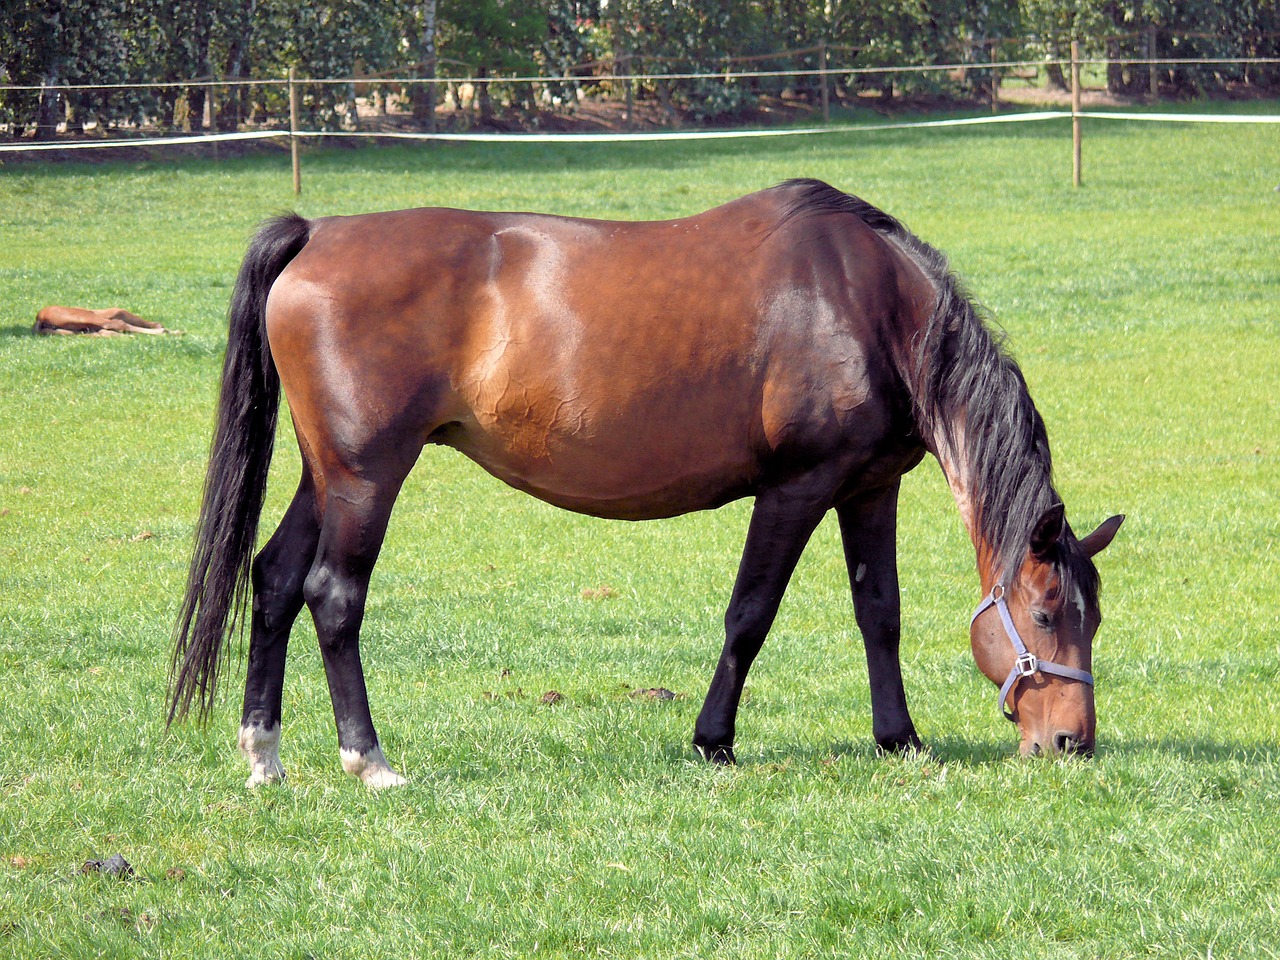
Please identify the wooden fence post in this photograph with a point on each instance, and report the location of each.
(1075, 113)
(293, 134)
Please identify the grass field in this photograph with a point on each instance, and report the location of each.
(1143, 308)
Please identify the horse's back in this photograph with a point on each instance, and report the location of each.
(618, 368)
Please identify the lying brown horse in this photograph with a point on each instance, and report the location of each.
(796, 345)
(99, 323)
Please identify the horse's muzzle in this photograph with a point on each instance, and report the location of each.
(1061, 744)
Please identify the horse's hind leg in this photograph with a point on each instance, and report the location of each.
(278, 574)
(355, 521)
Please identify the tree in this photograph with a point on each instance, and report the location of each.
(425, 26)
(690, 36)
(54, 43)
(64, 42)
(494, 37)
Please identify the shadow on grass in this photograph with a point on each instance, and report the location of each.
(16, 330)
(942, 750)
(967, 753)
(1196, 749)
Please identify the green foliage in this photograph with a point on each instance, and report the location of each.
(72, 41)
(1064, 20)
(137, 41)
(684, 36)
(574, 29)
(493, 38)
(322, 40)
(1142, 310)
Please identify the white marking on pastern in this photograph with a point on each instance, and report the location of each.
(372, 768)
(262, 747)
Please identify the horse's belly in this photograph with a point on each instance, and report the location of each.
(637, 477)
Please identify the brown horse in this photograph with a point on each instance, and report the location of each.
(99, 323)
(796, 345)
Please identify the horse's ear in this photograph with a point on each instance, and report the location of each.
(1098, 540)
(1044, 538)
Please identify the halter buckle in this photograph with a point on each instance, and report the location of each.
(1027, 665)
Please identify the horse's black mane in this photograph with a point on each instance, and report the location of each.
(970, 397)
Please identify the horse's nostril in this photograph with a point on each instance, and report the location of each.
(1065, 743)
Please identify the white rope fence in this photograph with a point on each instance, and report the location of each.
(294, 134)
(655, 136)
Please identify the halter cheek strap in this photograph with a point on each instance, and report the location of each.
(1027, 663)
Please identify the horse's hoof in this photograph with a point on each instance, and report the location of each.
(261, 775)
(721, 755)
(381, 779)
(908, 745)
(372, 769)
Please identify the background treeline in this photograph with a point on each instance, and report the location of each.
(52, 42)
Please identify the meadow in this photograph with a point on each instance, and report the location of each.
(1143, 309)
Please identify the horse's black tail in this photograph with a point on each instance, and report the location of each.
(239, 457)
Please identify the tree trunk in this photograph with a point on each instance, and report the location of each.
(1115, 69)
(424, 95)
(48, 113)
(235, 105)
(195, 107)
(1053, 70)
(204, 70)
(484, 101)
(75, 117)
(168, 108)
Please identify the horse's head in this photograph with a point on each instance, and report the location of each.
(1033, 636)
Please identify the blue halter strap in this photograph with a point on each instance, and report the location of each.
(1027, 663)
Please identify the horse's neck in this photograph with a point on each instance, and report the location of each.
(960, 479)
(975, 415)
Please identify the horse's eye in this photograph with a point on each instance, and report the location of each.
(1041, 619)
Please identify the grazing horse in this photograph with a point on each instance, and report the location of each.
(796, 345)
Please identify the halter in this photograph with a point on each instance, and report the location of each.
(1027, 663)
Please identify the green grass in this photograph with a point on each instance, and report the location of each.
(1143, 309)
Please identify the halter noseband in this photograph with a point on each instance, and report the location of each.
(1027, 663)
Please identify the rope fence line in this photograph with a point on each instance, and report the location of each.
(1180, 117)
(166, 141)
(294, 134)
(656, 136)
(640, 77)
(822, 47)
(162, 84)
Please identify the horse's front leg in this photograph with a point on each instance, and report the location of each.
(868, 530)
(783, 520)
